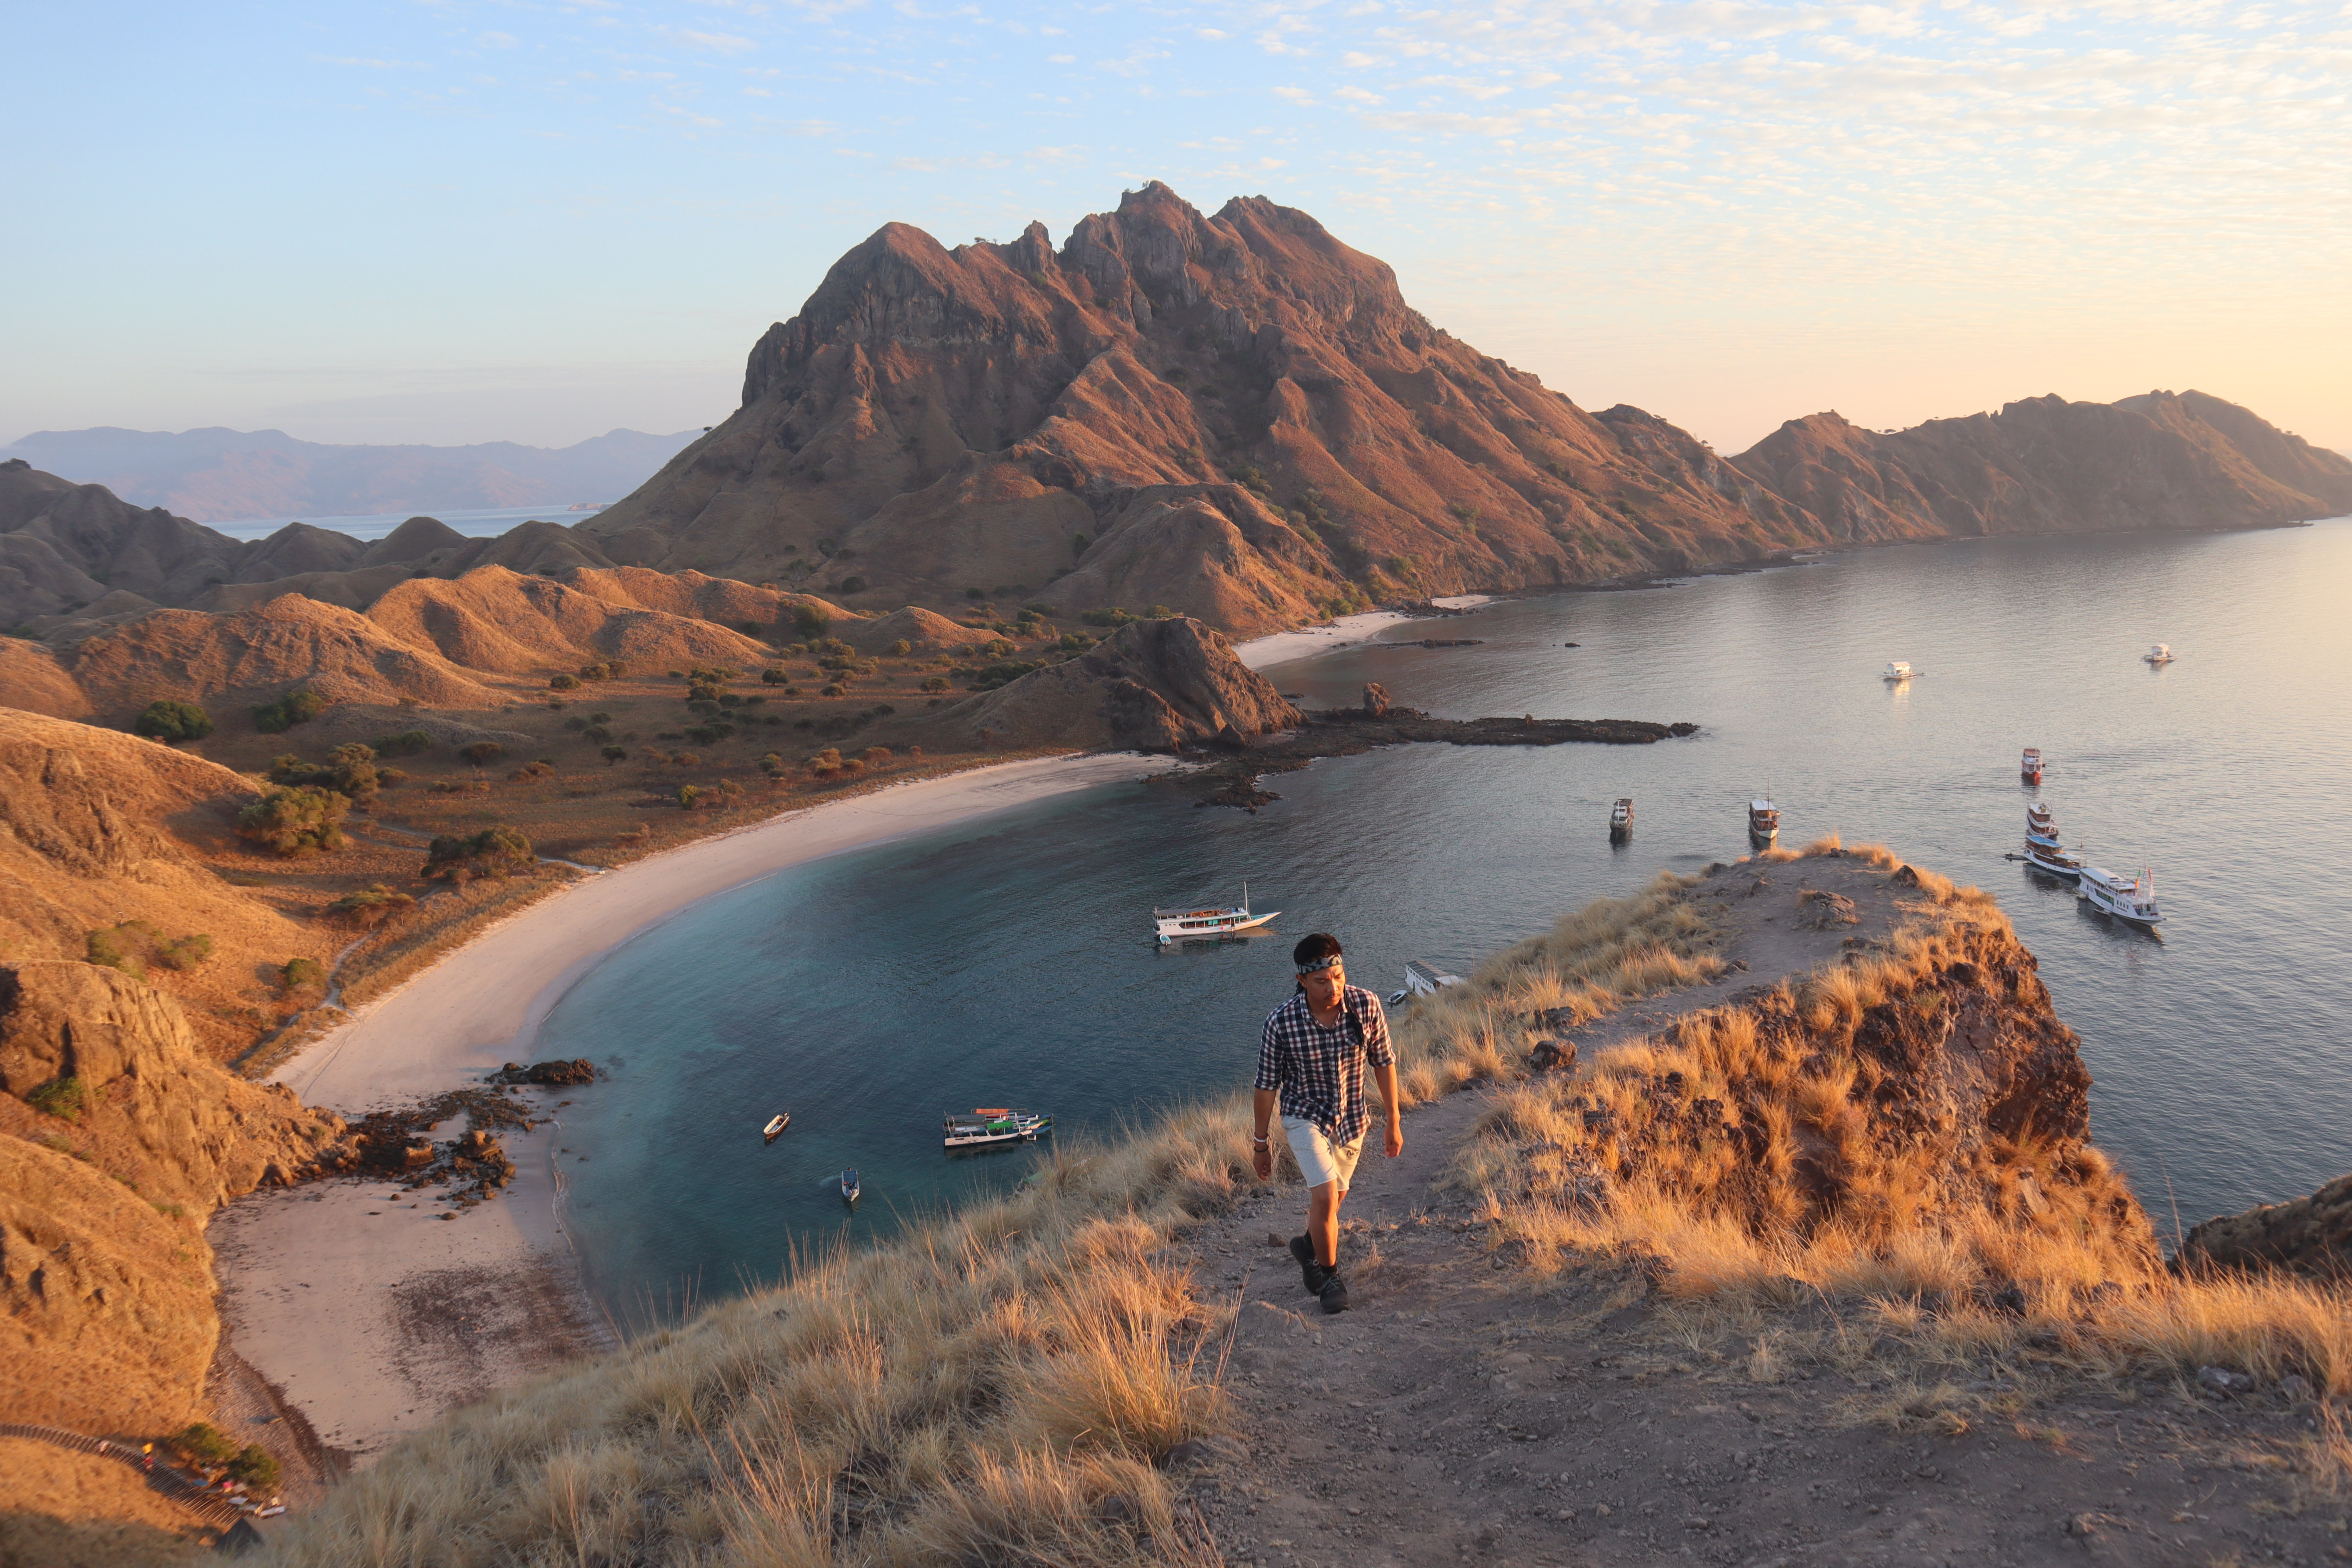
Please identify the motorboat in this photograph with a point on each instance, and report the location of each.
(1900, 670)
(1621, 819)
(990, 1127)
(1763, 820)
(1188, 925)
(776, 1123)
(2160, 654)
(849, 1186)
(1423, 978)
(2029, 766)
(2125, 897)
(2043, 851)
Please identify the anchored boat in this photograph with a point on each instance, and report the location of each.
(1763, 820)
(2043, 851)
(1193, 924)
(1621, 819)
(2123, 896)
(849, 1186)
(2029, 766)
(776, 1123)
(2160, 654)
(1899, 671)
(990, 1126)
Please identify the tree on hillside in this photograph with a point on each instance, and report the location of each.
(300, 820)
(481, 753)
(811, 622)
(171, 722)
(616, 754)
(350, 770)
(493, 852)
(297, 707)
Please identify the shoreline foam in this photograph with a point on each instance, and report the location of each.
(375, 1323)
(1347, 631)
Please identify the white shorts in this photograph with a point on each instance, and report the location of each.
(1319, 1159)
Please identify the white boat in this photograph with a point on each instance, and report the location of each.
(1423, 978)
(1621, 819)
(2160, 654)
(2043, 851)
(1193, 924)
(776, 1123)
(1899, 671)
(1763, 820)
(2122, 897)
(850, 1186)
(2029, 766)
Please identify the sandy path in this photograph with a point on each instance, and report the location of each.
(371, 1311)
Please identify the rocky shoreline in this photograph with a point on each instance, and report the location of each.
(1231, 778)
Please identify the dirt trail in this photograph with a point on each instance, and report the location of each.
(1466, 1411)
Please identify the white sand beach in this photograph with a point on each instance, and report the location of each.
(376, 1317)
(1347, 631)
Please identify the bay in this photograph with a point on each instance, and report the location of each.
(1008, 961)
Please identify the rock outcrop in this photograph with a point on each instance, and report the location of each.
(105, 1279)
(2307, 1236)
(1152, 685)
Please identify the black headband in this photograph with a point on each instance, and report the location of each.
(1313, 964)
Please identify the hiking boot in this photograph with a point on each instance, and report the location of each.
(1311, 1274)
(1334, 1291)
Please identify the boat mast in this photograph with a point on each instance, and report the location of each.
(1245, 908)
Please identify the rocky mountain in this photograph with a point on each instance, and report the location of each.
(1240, 418)
(1156, 685)
(220, 476)
(2048, 466)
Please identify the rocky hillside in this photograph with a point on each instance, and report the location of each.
(117, 1142)
(1152, 685)
(2048, 466)
(1241, 417)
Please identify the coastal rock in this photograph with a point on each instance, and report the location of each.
(1376, 699)
(2309, 1236)
(557, 1073)
(1155, 684)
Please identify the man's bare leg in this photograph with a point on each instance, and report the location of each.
(1323, 1221)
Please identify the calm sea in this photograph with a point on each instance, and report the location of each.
(377, 525)
(1008, 961)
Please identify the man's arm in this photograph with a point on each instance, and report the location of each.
(1385, 1076)
(1261, 1108)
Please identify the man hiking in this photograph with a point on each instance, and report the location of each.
(1310, 1065)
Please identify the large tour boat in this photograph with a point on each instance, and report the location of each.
(1621, 820)
(2043, 851)
(1763, 820)
(993, 1125)
(2029, 766)
(2123, 896)
(1193, 924)
(2160, 654)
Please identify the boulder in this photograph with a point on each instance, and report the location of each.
(2309, 1236)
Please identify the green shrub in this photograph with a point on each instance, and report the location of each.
(302, 975)
(297, 707)
(616, 754)
(256, 1465)
(106, 949)
(776, 676)
(975, 593)
(852, 584)
(300, 820)
(167, 721)
(204, 1444)
(936, 683)
(1114, 616)
(493, 852)
(481, 753)
(184, 952)
(810, 622)
(406, 743)
(901, 648)
(350, 770)
(61, 1098)
(688, 795)
(564, 683)
(370, 906)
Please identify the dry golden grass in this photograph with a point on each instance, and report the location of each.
(1735, 1151)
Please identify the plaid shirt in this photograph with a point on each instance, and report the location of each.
(1320, 1071)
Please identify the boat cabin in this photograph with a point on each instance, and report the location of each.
(1423, 978)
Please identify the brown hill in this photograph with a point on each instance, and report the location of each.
(1003, 415)
(2048, 466)
(1155, 684)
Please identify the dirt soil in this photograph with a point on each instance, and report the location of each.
(1465, 1410)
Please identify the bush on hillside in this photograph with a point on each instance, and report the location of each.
(106, 948)
(168, 721)
(852, 584)
(493, 852)
(406, 743)
(370, 906)
(61, 1098)
(204, 1443)
(564, 683)
(256, 1465)
(615, 754)
(350, 770)
(901, 648)
(810, 622)
(302, 975)
(481, 753)
(184, 952)
(297, 707)
(298, 820)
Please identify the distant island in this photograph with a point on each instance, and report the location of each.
(229, 475)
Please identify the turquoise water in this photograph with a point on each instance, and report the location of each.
(1008, 961)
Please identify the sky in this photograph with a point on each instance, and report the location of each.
(469, 220)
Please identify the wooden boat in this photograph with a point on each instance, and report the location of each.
(2160, 654)
(1621, 819)
(2043, 851)
(2029, 766)
(992, 1126)
(776, 1123)
(1190, 925)
(849, 1187)
(1763, 820)
(2125, 897)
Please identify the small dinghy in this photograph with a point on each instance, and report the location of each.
(776, 1123)
(849, 1187)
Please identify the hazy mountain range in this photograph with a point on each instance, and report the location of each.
(227, 475)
